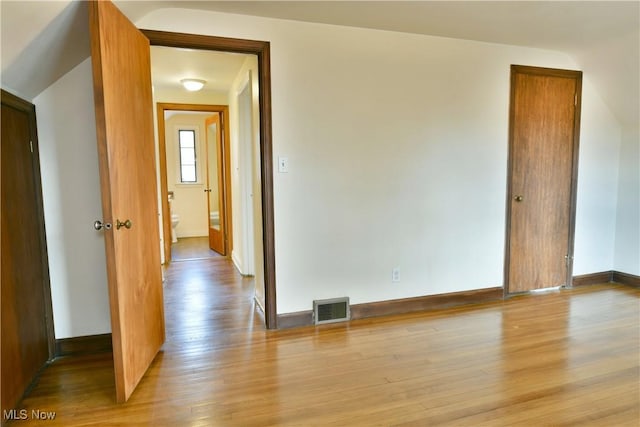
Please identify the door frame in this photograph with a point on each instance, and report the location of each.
(28, 108)
(262, 50)
(223, 110)
(552, 72)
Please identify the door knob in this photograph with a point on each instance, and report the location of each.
(518, 198)
(126, 224)
(207, 190)
(98, 225)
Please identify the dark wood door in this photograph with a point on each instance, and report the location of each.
(124, 125)
(26, 300)
(544, 127)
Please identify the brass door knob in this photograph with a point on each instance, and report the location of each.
(126, 224)
(518, 198)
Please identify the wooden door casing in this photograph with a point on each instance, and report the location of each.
(223, 111)
(27, 336)
(262, 50)
(543, 149)
(124, 127)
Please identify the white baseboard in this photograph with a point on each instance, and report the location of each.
(192, 233)
(237, 262)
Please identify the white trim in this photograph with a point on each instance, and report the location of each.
(243, 83)
(245, 140)
(191, 233)
(236, 262)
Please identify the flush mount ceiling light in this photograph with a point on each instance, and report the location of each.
(192, 85)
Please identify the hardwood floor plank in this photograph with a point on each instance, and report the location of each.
(569, 357)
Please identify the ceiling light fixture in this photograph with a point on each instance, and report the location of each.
(192, 85)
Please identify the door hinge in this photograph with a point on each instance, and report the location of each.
(31, 146)
(568, 259)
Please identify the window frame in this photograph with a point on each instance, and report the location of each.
(196, 152)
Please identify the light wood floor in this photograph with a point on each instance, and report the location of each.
(563, 358)
(190, 248)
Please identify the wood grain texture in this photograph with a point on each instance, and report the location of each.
(124, 126)
(262, 50)
(542, 177)
(26, 336)
(85, 345)
(429, 302)
(217, 238)
(626, 279)
(593, 278)
(567, 357)
(399, 306)
(190, 248)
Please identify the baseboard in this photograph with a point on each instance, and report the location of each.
(429, 302)
(592, 279)
(192, 233)
(89, 344)
(399, 306)
(236, 262)
(295, 320)
(607, 277)
(626, 279)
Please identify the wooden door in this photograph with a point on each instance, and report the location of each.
(27, 331)
(124, 126)
(215, 185)
(544, 132)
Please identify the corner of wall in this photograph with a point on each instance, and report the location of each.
(627, 235)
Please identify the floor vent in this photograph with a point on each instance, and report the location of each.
(331, 310)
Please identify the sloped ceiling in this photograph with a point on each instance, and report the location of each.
(43, 40)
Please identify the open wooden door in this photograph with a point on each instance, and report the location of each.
(215, 185)
(124, 127)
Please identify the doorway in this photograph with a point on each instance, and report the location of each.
(204, 200)
(265, 273)
(544, 131)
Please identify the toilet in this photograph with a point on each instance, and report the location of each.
(175, 219)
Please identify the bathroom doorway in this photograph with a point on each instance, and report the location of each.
(194, 158)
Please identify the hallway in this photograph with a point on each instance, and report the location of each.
(190, 248)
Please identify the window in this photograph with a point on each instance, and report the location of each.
(187, 146)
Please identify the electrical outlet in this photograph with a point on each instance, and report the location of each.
(395, 274)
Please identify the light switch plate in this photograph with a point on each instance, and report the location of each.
(283, 164)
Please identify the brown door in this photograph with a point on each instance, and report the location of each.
(215, 184)
(124, 127)
(544, 131)
(26, 298)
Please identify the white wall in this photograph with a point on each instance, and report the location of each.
(71, 193)
(627, 249)
(247, 168)
(597, 185)
(398, 148)
(190, 200)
